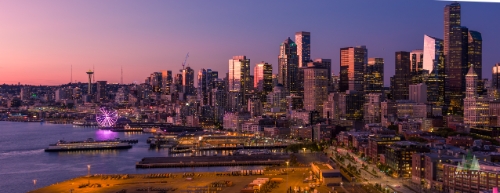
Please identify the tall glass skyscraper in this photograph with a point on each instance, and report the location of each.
(239, 84)
(303, 40)
(288, 67)
(352, 64)
(433, 65)
(374, 75)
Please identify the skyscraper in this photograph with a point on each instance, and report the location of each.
(474, 56)
(495, 76)
(352, 63)
(288, 67)
(203, 77)
(101, 91)
(327, 63)
(476, 108)
(416, 66)
(433, 64)
(167, 81)
(456, 69)
(402, 77)
(303, 40)
(452, 19)
(238, 81)
(188, 81)
(374, 75)
(315, 86)
(156, 81)
(263, 77)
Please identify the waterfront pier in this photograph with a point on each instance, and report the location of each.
(207, 161)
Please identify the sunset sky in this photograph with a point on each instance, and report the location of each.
(40, 40)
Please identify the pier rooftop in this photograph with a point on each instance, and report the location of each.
(204, 161)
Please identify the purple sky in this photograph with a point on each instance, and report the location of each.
(40, 40)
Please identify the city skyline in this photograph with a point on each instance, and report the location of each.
(138, 37)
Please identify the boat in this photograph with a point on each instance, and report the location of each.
(89, 144)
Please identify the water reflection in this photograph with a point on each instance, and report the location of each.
(105, 135)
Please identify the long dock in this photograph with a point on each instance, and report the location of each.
(207, 161)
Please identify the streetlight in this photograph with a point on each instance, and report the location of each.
(304, 149)
(34, 184)
(287, 183)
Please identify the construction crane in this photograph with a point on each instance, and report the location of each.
(184, 63)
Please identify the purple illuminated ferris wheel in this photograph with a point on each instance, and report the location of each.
(106, 117)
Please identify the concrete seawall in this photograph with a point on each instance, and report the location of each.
(206, 161)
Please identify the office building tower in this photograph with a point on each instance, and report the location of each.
(495, 76)
(303, 40)
(456, 69)
(326, 63)
(188, 81)
(352, 63)
(416, 66)
(434, 64)
(178, 83)
(418, 93)
(476, 108)
(288, 67)
(205, 84)
(374, 75)
(474, 56)
(167, 79)
(452, 18)
(239, 84)
(263, 79)
(372, 112)
(315, 86)
(101, 91)
(276, 100)
(402, 77)
(156, 80)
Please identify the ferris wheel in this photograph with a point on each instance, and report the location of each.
(106, 117)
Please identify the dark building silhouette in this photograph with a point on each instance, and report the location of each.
(402, 77)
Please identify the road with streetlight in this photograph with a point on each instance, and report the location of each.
(379, 178)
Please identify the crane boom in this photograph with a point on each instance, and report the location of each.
(184, 63)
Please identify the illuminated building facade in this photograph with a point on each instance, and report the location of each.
(352, 63)
(433, 63)
(315, 86)
(303, 40)
(402, 77)
(476, 108)
(239, 84)
(374, 75)
(288, 66)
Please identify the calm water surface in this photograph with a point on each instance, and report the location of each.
(22, 156)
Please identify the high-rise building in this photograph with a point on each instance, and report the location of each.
(188, 81)
(452, 18)
(239, 80)
(476, 108)
(402, 77)
(418, 93)
(288, 67)
(326, 63)
(303, 40)
(433, 64)
(277, 99)
(101, 91)
(167, 81)
(315, 86)
(416, 66)
(156, 81)
(263, 79)
(495, 76)
(374, 75)
(352, 63)
(456, 69)
(474, 56)
(205, 84)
